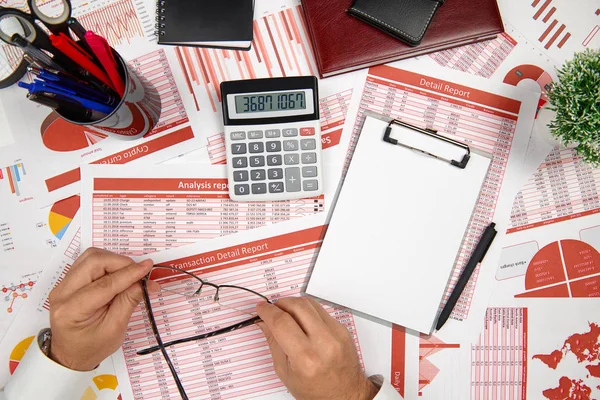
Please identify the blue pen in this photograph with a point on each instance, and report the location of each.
(40, 88)
(73, 84)
(78, 91)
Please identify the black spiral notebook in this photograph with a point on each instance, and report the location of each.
(205, 23)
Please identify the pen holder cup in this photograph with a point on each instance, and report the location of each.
(135, 115)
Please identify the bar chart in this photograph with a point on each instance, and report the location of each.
(12, 176)
(280, 48)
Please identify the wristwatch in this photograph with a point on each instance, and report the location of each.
(44, 340)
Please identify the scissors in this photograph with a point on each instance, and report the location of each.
(14, 21)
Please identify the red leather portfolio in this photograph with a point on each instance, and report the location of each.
(343, 43)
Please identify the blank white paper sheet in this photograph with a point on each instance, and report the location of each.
(397, 228)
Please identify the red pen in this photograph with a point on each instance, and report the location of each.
(104, 54)
(63, 43)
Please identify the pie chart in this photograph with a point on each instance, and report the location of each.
(60, 135)
(16, 355)
(533, 72)
(61, 215)
(567, 268)
(101, 382)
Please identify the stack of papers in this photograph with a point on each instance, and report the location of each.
(514, 331)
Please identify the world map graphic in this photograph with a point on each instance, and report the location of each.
(586, 348)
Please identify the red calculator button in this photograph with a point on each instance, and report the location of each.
(307, 131)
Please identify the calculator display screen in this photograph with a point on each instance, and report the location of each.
(269, 102)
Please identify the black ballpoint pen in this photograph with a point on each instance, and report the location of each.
(478, 254)
(71, 110)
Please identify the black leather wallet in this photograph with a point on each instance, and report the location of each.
(406, 20)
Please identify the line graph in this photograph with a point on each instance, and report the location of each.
(280, 48)
(118, 22)
(14, 292)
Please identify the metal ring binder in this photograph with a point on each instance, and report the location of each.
(459, 164)
(160, 11)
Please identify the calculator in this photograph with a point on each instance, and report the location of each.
(272, 138)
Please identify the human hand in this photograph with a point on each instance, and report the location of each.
(313, 354)
(91, 307)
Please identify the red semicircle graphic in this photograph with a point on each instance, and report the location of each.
(568, 268)
(60, 135)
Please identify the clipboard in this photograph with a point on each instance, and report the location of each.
(398, 224)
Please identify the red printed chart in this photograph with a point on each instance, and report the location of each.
(481, 59)
(567, 268)
(585, 348)
(429, 346)
(500, 356)
(536, 74)
(116, 21)
(279, 49)
(563, 188)
(333, 110)
(554, 32)
(130, 216)
(396, 93)
(235, 365)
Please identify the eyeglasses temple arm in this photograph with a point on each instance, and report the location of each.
(228, 329)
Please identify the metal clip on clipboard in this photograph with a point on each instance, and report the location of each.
(430, 133)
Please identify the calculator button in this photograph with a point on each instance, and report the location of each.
(309, 172)
(258, 175)
(308, 144)
(292, 179)
(309, 158)
(238, 135)
(274, 160)
(311, 185)
(272, 133)
(259, 188)
(240, 176)
(289, 132)
(238, 148)
(255, 134)
(275, 187)
(257, 161)
(273, 147)
(290, 145)
(307, 131)
(240, 162)
(241, 190)
(292, 159)
(275, 173)
(257, 147)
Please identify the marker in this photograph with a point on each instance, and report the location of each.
(78, 55)
(104, 54)
(79, 31)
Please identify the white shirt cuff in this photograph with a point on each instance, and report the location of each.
(38, 377)
(386, 390)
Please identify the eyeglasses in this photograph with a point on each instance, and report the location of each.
(235, 303)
